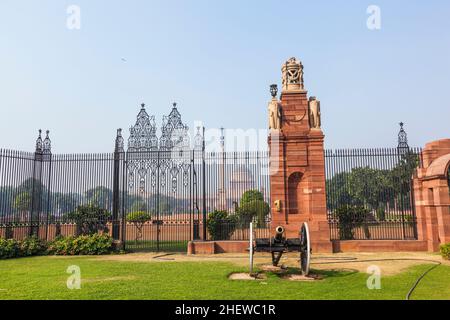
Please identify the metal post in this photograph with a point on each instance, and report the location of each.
(157, 200)
(251, 248)
(118, 150)
(49, 158)
(204, 185)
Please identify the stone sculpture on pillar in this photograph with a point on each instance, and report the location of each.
(274, 110)
(314, 113)
(292, 72)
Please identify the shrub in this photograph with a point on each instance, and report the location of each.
(255, 209)
(94, 244)
(138, 218)
(220, 225)
(32, 246)
(11, 248)
(381, 214)
(351, 217)
(89, 219)
(445, 251)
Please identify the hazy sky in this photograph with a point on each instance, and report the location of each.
(217, 60)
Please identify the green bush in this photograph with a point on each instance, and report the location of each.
(220, 225)
(255, 209)
(351, 217)
(32, 246)
(89, 219)
(94, 244)
(10, 248)
(445, 251)
(381, 214)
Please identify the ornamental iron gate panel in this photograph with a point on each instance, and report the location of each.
(159, 182)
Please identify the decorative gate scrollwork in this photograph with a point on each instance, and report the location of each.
(168, 158)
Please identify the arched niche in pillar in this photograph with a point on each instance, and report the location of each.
(293, 196)
(448, 177)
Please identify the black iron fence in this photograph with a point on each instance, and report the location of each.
(160, 200)
(152, 200)
(369, 193)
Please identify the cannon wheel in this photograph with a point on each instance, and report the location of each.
(305, 249)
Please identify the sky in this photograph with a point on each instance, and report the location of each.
(216, 59)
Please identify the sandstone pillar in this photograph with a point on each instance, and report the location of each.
(297, 164)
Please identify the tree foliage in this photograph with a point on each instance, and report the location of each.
(89, 219)
(253, 207)
(138, 218)
(221, 225)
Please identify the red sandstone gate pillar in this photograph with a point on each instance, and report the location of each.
(297, 165)
(432, 195)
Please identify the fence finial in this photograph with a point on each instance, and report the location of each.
(119, 147)
(39, 142)
(402, 139)
(47, 145)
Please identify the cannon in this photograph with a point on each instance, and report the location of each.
(279, 244)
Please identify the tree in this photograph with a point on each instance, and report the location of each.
(7, 201)
(254, 209)
(252, 206)
(139, 204)
(251, 195)
(22, 203)
(351, 217)
(63, 202)
(100, 196)
(89, 219)
(138, 218)
(220, 225)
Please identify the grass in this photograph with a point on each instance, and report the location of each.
(146, 245)
(45, 278)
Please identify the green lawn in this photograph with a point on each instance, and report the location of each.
(45, 278)
(146, 245)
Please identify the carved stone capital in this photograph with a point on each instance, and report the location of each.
(292, 71)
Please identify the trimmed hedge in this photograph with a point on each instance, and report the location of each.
(95, 244)
(445, 251)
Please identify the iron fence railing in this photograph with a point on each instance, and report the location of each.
(369, 194)
(160, 200)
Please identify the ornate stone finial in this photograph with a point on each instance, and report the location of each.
(143, 105)
(119, 147)
(314, 113)
(39, 142)
(174, 104)
(292, 72)
(273, 90)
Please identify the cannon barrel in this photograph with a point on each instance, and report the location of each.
(279, 233)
